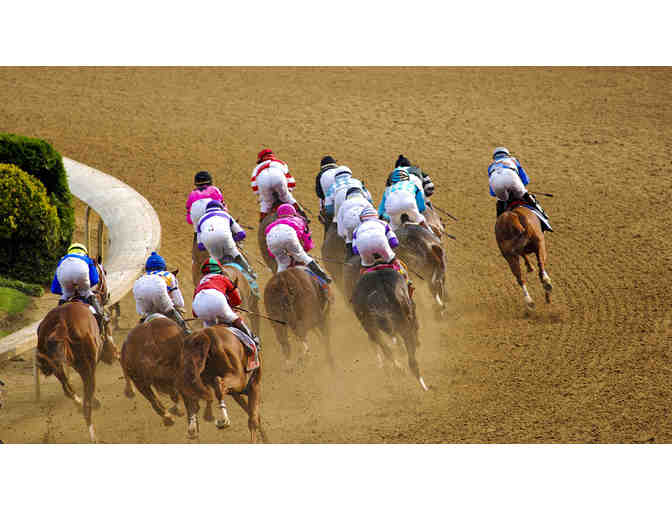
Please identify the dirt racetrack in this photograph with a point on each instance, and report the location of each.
(595, 366)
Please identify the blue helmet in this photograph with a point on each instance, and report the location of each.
(155, 262)
(214, 204)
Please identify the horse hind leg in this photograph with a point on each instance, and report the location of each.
(242, 403)
(514, 264)
(89, 380)
(67, 387)
(175, 397)
(147, 391)
(543, 275)
(225, 421)
(528, 266)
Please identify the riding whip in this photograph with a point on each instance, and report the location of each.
(542, 194)
(444, 212)
(260, 315)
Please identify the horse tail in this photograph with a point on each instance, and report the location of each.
(281, 300)
(194, 356)
(519, 226)
(55, 351)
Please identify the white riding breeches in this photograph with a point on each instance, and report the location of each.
(217, 237)
(197, 211)
(284, 244)
(373, 242)
(73, 275)
(506, 184)
(269, 181)
(211, 306)
(348, 217)
(151, 295)
(401, 202)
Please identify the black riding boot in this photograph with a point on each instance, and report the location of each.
(245, 265)
(348, 251)
(318, 271)
(501, 207)
(100, 317)
(175, 315)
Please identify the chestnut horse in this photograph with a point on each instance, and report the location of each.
(423, 252)
(214, 359)
(1, 400)
(295, 297)
(150, 357)
(382, 305)
(518, 233)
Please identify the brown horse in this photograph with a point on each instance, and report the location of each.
(382, 305)
(214, 359)
(423, 252)
(1, 400)
(333, 253)
(69, 335)
(518, 233)
(295, 297)
(434, 222)
(249, 299)
(150, 357)
(261, 236)
(198, 258)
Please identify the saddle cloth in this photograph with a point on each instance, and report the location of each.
(396, 264)
(542, 218)
(250, 344)
(253, 283)
(153, 316)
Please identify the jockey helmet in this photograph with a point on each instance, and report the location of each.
(155, 262)
(500, 150)
(327, 160)
(211, 266)
(286, 210)
(353, 191)
(202, 178)
(215, 204)
(264, 154)
(368, 212)
(75, 247)
(342, 170)
(402, 161)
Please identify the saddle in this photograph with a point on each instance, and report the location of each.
(535, 208)
(250, 279)
(250, 345)
(396, 265)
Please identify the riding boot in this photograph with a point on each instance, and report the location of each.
(262, 215)
(318, 271)
(239, 259)
(300, 210)
(99, 314)
(175, 315)
(62, 301)
(251, 360)
(501, 207)
(348, 251)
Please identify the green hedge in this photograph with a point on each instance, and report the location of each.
(39, 159)
(29, 227)
(30, 289)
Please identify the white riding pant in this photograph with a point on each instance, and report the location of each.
(197, 211)
(348, 217)
(401, 202)
(217, 237)
(73, 275)
(284, 244)
(506, 184)
(372, 242)
(151, 295)
(210, 305)
(269, 181)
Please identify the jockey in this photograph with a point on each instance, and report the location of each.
(272, 181)
(213, 298)
(507, 179)
(288, 239)
(416, 175)
(218, 232)
(373, 239)
(157, 291)
(325, 178)
(343, 181)
(76, 274)
(348, 216)
(403, 197)
(200, 197)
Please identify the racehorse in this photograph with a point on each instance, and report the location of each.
(261, 236)
(248, 298)
(69, 335)
(150, 357)
(198, 258)
(1, 400)
(423, 252)
(434, 222)
(333, 254)
(214, 359)
(295, 297)
(382, 305)
(518, 233)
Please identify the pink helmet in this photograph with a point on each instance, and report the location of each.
(286, 210)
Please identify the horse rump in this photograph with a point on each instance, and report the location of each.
(192, 363)
(380, 297)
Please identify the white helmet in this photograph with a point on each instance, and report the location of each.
(500, 150)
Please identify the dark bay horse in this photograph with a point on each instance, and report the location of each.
(261, 237)
(198, 258)
(213, 359)
(382, 305)
(294, 296)
(434, 222)
(150, 357)
(518, 233)
(69, 335)
(333, 254)
(423, 253)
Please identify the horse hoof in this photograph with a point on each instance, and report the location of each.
(168, 420)
(176, 411)
(530, 304)
(95, 404)
(129, 393)
(548, 298)
(223, 424)
(422, 383)
(207, 415)
(548, 287)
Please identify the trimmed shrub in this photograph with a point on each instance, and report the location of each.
(30, 289)
(29, 227)
(39, 159)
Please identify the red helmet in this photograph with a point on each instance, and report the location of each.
(264, 154)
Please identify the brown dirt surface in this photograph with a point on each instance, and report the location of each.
(594, 366)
